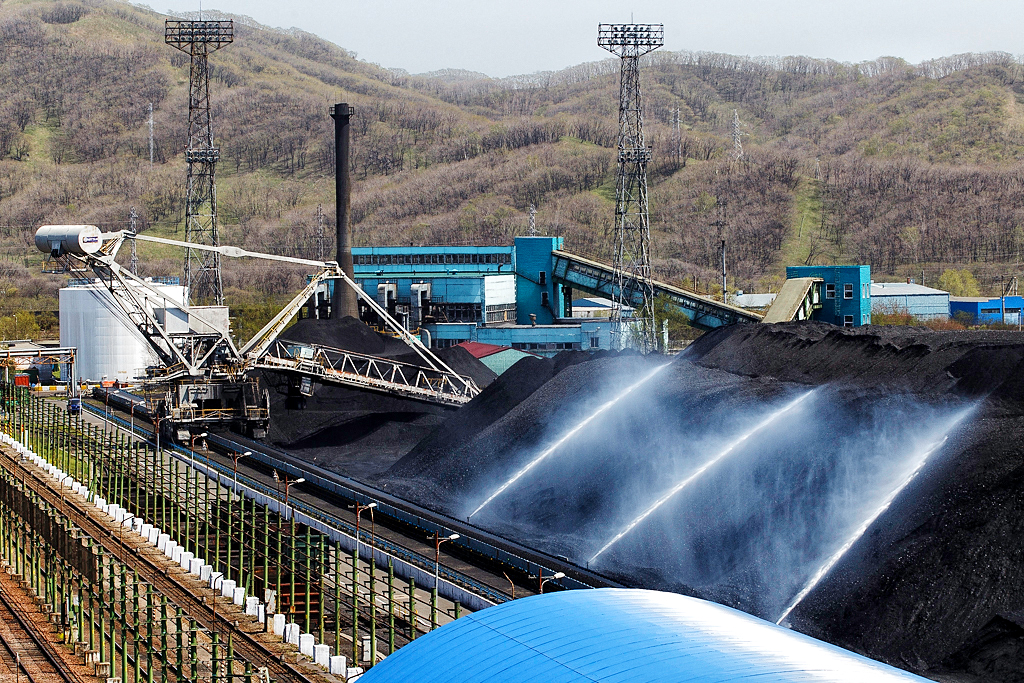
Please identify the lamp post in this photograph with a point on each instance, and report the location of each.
(192, 467)
(287, 485)
(511, 583)
(359, 508)
(556, 575)
(438, 539)
(235, 457)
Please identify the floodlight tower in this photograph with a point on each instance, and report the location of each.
(202, 268)
(632, 259)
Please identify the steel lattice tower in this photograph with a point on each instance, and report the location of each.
(202, 268)
(632, 259)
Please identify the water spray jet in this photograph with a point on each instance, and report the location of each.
(568, 435)
(833, 560)
(701, 470)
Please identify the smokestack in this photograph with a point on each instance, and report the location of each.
(344, 298)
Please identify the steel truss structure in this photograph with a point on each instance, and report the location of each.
(632, 230)
(202, 268)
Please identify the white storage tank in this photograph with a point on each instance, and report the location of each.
(108, 343)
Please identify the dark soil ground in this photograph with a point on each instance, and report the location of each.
(936, 585)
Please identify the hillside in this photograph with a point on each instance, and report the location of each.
(912, 169)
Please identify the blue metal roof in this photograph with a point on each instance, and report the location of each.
(613, 635)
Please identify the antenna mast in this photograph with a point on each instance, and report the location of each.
(202, 268)
(632, 260)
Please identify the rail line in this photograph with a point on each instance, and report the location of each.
(486, 551)
(204, 612)
(29, 650)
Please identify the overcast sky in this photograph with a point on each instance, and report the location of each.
(524, 36)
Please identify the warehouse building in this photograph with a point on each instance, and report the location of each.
(924, 303)
(979, 310)
(610, 635)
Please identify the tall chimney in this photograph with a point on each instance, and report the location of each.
(344, 298)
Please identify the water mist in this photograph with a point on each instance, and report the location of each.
(565, 437)
(919, 462)
(700, 471)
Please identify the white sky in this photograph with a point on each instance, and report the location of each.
(506, 38)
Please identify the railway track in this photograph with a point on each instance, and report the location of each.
(209, 610)
(32, 657)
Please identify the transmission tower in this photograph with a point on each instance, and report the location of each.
(677, 135)
(737, 135)
(321, 239)
(202, 268)
(533, 221)
(133, 265)
(632, 259)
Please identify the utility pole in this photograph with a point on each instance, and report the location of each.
(202, 268)
(632, 253)
(725, 288)
(133, 265)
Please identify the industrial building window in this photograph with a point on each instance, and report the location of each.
(501, 313)
(830, 291)
(848, 291)
(847, 321)
(543, 298)
(543, 277)
(594, 341)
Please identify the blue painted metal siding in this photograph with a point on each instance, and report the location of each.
(835, 309)
(622, 636)
(988, 312)
(460, 290)
(533, 257)
(546, 340)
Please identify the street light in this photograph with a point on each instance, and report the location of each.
(556, 575)
(359, 508)
(287, 485)
(438, 539)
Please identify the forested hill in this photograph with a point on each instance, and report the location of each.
(908, 168)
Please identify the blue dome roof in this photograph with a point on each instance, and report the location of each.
(615, 635)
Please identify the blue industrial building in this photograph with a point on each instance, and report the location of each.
(975, 310)
(610, 635)
(846, 293)
(924, 303)
(492, 295)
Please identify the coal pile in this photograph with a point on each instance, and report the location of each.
(926, 423)
(353, 432)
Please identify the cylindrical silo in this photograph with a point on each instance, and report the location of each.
(108, 344)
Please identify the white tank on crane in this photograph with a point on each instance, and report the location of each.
(69, 239)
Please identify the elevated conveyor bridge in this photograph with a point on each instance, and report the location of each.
(600, 279)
